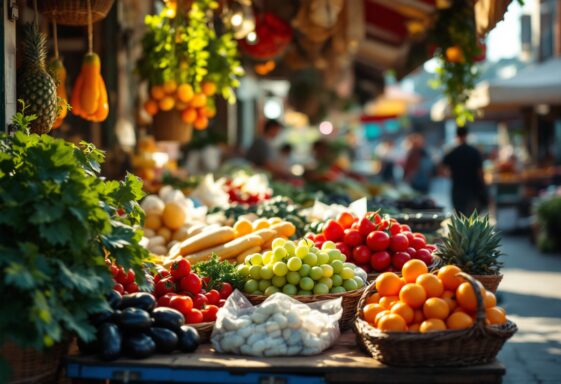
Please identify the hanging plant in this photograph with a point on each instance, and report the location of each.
(186, 62)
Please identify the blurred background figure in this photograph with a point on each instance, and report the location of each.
(285, 157)
(465, 166)
(418, 167)
(262, 152)
(388, 157)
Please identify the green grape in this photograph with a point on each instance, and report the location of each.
(338, 289)
(337, 266)
(278, 281)
(243, 270)
(334, 254)
(347, 273)
(327, 270)
(250, 286)
(256, 259)
(267, 256)
(316, 273)
(328, 245)
(350, 284)
(301, 252)
(306, 284)
(255, 272)
(270, 290)
(359, 282)
(290, 247)
(304, 293)
(289, 290)
(310, 259)
(327, 281)
(279, 253)
(349, 265)
(266, 272)
(323, 258)
(278, 242)
(306, 243)
(293, 277)
(337, 280)
(247, 260)
(258, 292)
(321, 289)
(280, 268)
(305, 270)
(294, 263)
(315, 250)
(264, 284)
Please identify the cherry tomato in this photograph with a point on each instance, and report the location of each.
(424, 255)
(419, 234)
(131, 288)
(431, 247)
(345, 219)
(160, 275)
(399, 243)
(164, 300)
(417, 242)
(405, 228)
(191, 283)
(199, 301)
(213, 296)
(400, 258)
(165, 285)
(394, 229)
(206, 281)
(411, 251)
(320, 238)
(361, 254)
(183, 304)
(333, 231)
(221, 303)
(193, 317)
(344, 248)
(119, 288)
(367, 268)
(180, 268)
(384, 224)
(365, 226)
(310, 236)
(379, 261)
(378, 241)
(114, 271)
(409, 235)
(226, 290)
(318, 244)
(353, 238)
(209, 313)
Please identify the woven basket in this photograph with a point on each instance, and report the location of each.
(204, 330)
(168, 126)
(490, 282)
(29, 366)
(479, 344)
(74, 12)
(349, 302)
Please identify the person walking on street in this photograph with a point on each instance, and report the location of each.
(418, 167)
(465, 165)
(262, 153)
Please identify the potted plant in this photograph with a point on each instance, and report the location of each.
(59, 221)
(473, 245)
(548, 215)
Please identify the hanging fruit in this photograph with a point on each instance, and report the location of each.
(89, 95)
(58, 73)
(35, 86)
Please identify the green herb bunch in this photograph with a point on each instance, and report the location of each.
(219, 272)
(58, 221)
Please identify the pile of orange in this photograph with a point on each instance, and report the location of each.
(420, 301)
(195, 107)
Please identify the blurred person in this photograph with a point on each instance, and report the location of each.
(418, 167)
(262, 152)
(388, 157)
(465, 165)
(285, 157)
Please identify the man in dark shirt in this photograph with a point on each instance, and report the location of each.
(465, 164)
(261, 152)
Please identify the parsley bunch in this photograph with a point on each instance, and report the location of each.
(219, 272)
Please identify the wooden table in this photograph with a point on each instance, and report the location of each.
(344, 363)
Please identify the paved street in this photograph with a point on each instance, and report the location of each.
(531, 294)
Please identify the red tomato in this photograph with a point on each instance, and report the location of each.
(378, 241)
(131, 288)
(353, 238)
(221, 303)
(165, 285)
(361, 254)
(160, 275)
(399, 243)
(394, 229)
(226, 290)
(191, 283)
(405, 228)
(320, 238)
(180, 268)
(199, 301)
(418, 234)
(213, 296)
(400, 258)
(205, 280)
(384, 224)
(183, 304)
(345, 219)
(344, 248)
(164, 300)
(122, 277)
(411, 251)
(119, 288)
(209, 313)
(409, 235)
(333, 231)
(417, 242)
(318, 244)
(193, 317)
(367, 268)
(310, 236)
(365, 226)
(379, 261)
(431, 247)
(424, 255)
(114, 271)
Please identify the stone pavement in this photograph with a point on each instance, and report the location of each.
(531, 294)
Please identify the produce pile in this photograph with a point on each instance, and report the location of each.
(247, 189)
(375, 243)
(425, 302)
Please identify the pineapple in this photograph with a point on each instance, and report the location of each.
(35, 86)
(472, 244)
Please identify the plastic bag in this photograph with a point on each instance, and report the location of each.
(280, 326)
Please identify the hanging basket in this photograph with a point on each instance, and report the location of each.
(74, 12)
(168, 126)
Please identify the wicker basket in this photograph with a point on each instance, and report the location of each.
(349, 302)
(74, 12)
(168, 126)
(479, 344)
(29, 366)
(204, 330)
(490, 282)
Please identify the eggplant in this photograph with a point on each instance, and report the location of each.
(140, 300)
(135, 319)
(166, 340)
(102, 317)
(168, 318)
(88, 348)
(110, 339)
(114, 299)
(189, 339)
(139, 346)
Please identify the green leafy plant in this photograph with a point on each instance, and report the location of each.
(58, 222)
(549, 220)
(219, 272)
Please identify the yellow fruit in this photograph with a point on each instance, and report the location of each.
(185, 93)
(373, 299)
(465, 296)
(260, 224)
(413, 269)
(379, 316)
(432, 284)
(436, 308)
(170, 86)
(208, 88)
(243, 227)
(413, 294)
(153, 222)
(447, 275)
(173, 216)
(165, 233)
(392, 323)
(459, 320)
(432, 325)
(489, 299)
(403, 310)
(388, 284)
(157, 92)
(167, 103)
(370, 311)
(495, 315)
(189, 115)
(450, 298)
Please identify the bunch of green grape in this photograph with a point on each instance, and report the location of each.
(300, 269)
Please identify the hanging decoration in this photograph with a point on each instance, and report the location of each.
(58, 73)
(270, 40)
(239, 17)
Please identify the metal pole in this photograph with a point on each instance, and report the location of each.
(8, 58)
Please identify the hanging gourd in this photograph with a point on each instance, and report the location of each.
(58, 73)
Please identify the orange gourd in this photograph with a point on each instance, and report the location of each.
(89, 96)
(58, 72)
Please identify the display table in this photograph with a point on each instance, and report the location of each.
(344, 363)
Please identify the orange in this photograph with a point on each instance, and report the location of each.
(201, 123)
(436, 308)
(370, 311)
(495, 315)
(180, 105)
(447, 275)
(379, 316)
(432, 325)
(243, 227)
(388, 284)
(157, 92)
(432, 284)
(170, 86)
(185, 92)
(189, 115)
(418, 316)
(465, 296)
(459, 320)
(199, 100)
(167, 103)
(210, 112)
(392, 323)
(173, 216)
(403, 310)
(373, 299)
(450, 298)
(489, 299)
(388, 301)
(412, 269)
(459, 309)
(261, 224)
(502, 310)
(153, 222)
(151, 107)
(413, 294)
(455, 55)
(208, 88)
(414, 327)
